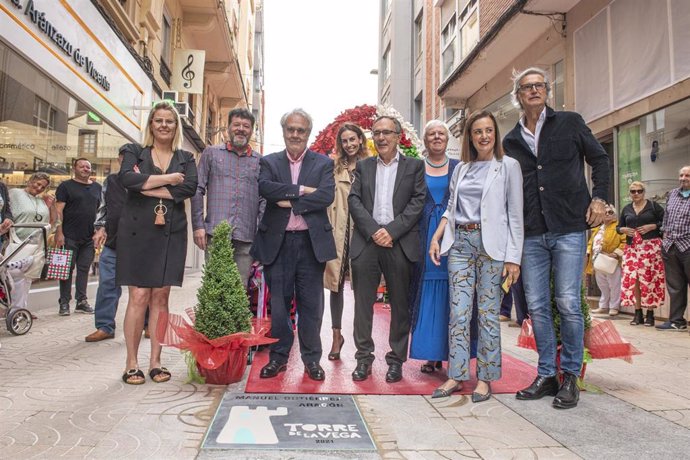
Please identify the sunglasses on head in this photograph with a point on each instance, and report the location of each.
(636, 191)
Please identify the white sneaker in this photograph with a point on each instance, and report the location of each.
(613, 312)
(600, 311)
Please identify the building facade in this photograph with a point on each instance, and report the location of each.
(78, 78)
(632, 88)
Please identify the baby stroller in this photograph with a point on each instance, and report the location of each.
(19, 320)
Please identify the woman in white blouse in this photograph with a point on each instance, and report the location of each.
(482, 233)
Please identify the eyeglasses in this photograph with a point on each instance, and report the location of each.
(635, 192)
(384, 132)
(540, 86)
(610, 213)
(292, 130)
(163, 121)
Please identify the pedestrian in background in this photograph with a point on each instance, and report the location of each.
(429, 282)
(605, 241)
(550, 147)
(350, 147)
(482, 233)
(229, 179)
(152, 232)
(77, 201)
(643, 284)
(29, 207)
(676, 251)
(113, 197)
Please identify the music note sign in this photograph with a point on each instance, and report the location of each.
(188, 71)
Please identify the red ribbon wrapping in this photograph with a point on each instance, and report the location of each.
(602, 340)
(209, 353)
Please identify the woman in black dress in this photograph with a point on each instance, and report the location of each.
(152, 231)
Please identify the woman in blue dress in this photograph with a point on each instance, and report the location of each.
(429, 286)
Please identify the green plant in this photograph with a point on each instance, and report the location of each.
(222, 304)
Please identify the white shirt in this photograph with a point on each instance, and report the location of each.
(533, 139)
(385, 182)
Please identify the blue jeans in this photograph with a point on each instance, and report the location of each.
(564, 253)
(108, 294)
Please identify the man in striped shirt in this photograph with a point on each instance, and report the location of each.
(675, 251)
(229, 179)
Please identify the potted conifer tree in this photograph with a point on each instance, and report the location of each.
(223, 330)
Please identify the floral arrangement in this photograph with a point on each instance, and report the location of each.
(364, 116)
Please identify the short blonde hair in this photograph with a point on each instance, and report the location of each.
(638, 184)
(148, 133)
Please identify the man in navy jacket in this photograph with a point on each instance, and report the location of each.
(552, 148)
(294, 241)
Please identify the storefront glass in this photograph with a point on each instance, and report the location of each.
(44, 128)
(652, 150)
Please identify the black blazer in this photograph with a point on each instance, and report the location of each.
(275, 184)
(556, 194)
(409, 194)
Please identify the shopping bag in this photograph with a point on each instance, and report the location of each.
(59, 263)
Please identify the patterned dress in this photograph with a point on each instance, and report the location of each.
(642, 258)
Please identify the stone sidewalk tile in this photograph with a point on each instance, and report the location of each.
(437, 455)
(603, 426)
(408, 423)
(535, 453)
(492, 425)
(680, 417)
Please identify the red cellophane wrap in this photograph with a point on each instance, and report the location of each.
(222, 360)
(602, 340)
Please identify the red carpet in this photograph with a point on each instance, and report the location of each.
(516, 373)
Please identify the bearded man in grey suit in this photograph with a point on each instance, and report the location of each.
(386, 203)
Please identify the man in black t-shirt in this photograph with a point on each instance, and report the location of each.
(77, 202)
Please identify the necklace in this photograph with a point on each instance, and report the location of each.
(37, 216)
(163, 170)
(445, 162)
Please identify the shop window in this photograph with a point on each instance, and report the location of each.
(652, 149)
(44, 116)
(43, 127)
(88, 142)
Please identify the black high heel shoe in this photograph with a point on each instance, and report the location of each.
(429, 366)
(335, 355)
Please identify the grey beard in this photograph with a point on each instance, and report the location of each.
(237, 144)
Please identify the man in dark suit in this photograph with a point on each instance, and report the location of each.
(294, 241)
(386, 202)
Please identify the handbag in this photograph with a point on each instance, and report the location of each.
(30, 249)
(59, 263)
(605, 264)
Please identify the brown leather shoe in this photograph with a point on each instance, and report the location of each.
(98, 335)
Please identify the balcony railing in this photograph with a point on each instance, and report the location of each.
(165, 72)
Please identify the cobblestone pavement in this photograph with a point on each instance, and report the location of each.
(63, 398)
